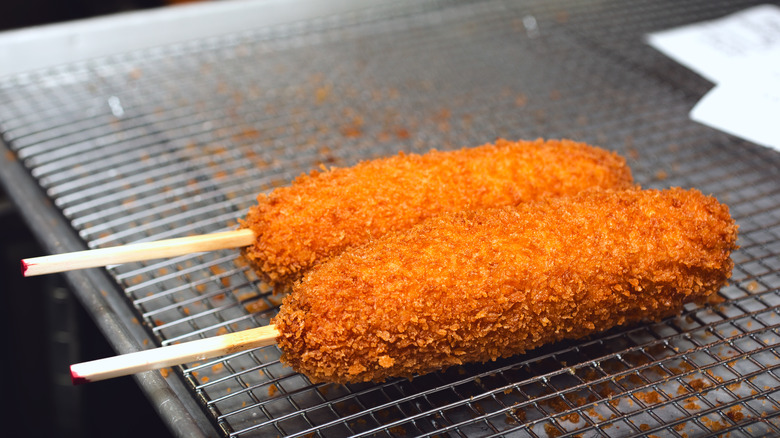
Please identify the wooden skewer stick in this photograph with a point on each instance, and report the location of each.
(136, 252)
(146, 360)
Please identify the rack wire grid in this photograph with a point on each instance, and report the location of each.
(180, 139)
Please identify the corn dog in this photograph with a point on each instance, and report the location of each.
(323, 213)
(475, 286)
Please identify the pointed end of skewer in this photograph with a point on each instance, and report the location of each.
(76, 379)
(100, 257)
(25, 266)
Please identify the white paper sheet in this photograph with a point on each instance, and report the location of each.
(728, 47)
(740, 53)
(746, 109)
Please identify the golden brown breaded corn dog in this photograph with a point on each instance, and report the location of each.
(476, 286)
(323, 213)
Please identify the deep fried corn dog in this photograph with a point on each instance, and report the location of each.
(480, 285)
(323, 213)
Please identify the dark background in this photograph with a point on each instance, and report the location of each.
(23, 13)
(44, 327)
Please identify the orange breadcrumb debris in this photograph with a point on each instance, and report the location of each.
(735, 414)
(256, 306)
(398, 430)
(325, 212)
(551, 430)
(475, 286)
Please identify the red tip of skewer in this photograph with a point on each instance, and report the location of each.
(24, 268)
(76, 379)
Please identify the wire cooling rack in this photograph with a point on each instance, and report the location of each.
(180, 139)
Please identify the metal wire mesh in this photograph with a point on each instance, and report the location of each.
(180, 139)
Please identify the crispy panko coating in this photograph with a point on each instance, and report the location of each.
(323, 213)
(479, 285)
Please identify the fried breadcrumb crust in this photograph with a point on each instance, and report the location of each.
(476, 286)
(323, 213)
